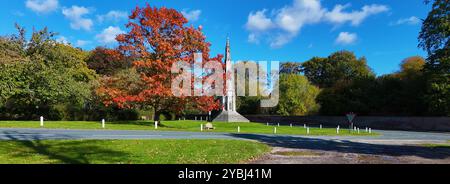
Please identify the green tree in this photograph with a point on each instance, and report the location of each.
(44, 74)
(297, 96)
(290, 68)
(339, 66)
(359, 95)
(107, 61)
(435, 39)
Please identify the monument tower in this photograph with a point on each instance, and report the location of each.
(229, 113)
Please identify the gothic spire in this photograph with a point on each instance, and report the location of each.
(227, 51)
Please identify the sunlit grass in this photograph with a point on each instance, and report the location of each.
(191, 126)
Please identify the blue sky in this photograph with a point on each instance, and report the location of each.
(384, 31)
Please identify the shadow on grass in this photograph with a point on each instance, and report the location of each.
(349, 146)
(68, 152)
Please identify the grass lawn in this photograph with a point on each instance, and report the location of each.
(184, 126)
(446, 146)
(130, 152)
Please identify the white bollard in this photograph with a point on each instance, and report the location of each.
(278, 124)
(195, 118)
(354, 128)
(239, 129)
(291, 125)
(367, 129)
(267, 124)
(370, 130)
(156, 124)
(103, 123)
(201, 127)
(358, 130)
(42, 121)
(201, 118)
(304, 125)
(337, 130)
(320, 126)
(184, 119)
(275, 130)
(307, 130)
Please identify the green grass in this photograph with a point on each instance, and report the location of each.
(192, 126)
(130, 152)
(444, 146)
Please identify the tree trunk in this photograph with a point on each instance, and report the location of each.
(156, 116)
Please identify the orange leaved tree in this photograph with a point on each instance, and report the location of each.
(156, 38)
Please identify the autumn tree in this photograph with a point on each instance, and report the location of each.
(157, 38)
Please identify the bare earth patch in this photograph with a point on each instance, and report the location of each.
(280, 155)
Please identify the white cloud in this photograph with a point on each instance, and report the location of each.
(113, 15)
(337, 15)
(192, 15)
(253, 38)
(409, 21)
(293, 18)
(258, 21)
(62, 40)
(82, 43)
(42, 6)
(284, 24)
(108, 35)
(346, 38)
(280, 40)
(77, 21)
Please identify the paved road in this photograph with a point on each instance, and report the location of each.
(387, 137)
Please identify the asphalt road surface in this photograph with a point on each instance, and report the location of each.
(388, 137)
(390, 147)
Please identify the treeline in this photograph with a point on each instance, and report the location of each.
(41, 77)
(343, 83)
(348, 85)
(420, 88)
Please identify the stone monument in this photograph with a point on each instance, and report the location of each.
(229, 113)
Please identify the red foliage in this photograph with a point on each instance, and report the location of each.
(157, 38)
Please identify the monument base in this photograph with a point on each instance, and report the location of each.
(230, 116)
